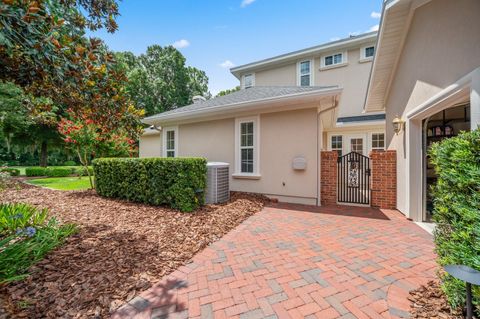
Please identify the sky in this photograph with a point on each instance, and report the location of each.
(215, 35)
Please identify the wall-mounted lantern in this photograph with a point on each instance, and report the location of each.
(397, 124)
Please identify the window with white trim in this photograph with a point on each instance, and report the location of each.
(378, 141)
(333, 59)
(170, 141)
(246, 147)
(337, 142)
(369, 52)
(305, 73)
(248, 81)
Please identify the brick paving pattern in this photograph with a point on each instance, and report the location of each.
(292, 261)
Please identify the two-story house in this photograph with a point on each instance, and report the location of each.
(271, 132)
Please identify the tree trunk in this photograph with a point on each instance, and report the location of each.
(43, 154)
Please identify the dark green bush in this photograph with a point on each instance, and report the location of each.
(58, 171)
(35, 171)
(457, 209)
(69, 163)
(178, 183)
(10, 170)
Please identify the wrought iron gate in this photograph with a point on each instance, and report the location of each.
(353, 173)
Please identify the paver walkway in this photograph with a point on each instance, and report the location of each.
(292, 261)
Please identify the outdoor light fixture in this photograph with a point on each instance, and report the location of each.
(397, 124)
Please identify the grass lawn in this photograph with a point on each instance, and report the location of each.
(21, 168)
(63, 183)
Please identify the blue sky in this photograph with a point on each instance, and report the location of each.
(215, 35)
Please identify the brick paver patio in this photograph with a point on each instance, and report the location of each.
(299, 262)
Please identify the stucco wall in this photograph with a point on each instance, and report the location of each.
(283, 136)
(442, 45)
(150, 145)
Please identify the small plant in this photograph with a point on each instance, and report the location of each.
(10, 170)
(4, 180)
(26, 236)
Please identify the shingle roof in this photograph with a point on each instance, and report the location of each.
(249, 95)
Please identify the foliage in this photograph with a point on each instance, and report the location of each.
(11, 171)
(228, 91)
(89, 138)
(26, 236)
(159, 80)
(4, 180)
(69, 163)
(175, 182)
(58, 171)
(457, 209)
(35, 171)
(63, 183)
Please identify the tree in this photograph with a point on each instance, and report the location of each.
(43, 50)
(159, 81)
(228, 91)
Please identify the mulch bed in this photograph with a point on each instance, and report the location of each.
(121, 249)
(429, 301)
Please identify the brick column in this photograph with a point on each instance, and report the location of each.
(328, 177)
(384, 179)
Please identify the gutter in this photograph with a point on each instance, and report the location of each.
(237, 106)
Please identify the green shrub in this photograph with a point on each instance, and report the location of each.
(58, 171)
(26, 236)
(10, 170)
(82, 171)
(70, 163)
(174, 182)
(457, 209)
(35, 171)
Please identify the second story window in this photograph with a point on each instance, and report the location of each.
(369, 52)
(333, 59)
(248, 81)
(305, 73)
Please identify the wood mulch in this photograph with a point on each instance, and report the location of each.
(121, 249)
(429, 301)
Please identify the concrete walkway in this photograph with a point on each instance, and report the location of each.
(292, 261)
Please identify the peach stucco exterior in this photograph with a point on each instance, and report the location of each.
(441, 46)
(283, 136)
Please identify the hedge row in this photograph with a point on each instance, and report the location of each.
(10, 170)
(178, 183)
(457, 209)
(57, 171)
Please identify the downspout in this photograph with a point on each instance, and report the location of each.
(319, 162)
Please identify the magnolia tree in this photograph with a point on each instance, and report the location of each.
(89, 138)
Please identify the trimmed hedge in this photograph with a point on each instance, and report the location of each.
(57, 171)
(10, 170)
(457, 209)
(35, 171)
(178, 183)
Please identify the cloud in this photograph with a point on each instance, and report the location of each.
(181, 44)
(374, 28)
(354, 33)
(334, 39)
(246, 3)
(227, 64)
(375, 15)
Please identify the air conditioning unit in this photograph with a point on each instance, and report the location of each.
(218, 187)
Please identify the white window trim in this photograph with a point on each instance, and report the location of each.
(164, 140)
(243, 80)
(256, 148)
(370, 141)
(330, 146)
(363, 58)
(343, 63)
(312, 68)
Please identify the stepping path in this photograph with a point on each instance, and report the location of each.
(293, 261)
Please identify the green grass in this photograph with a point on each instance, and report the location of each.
(63, 183)
(21, 169)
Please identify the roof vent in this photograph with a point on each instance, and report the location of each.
(198, 99)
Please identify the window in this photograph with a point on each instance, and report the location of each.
(170, 141)
(333, 59)
(337, 144)
(248, 81)
(305, 73)
(378, 141)
(246, 147)
(356, 145)
(369, 52)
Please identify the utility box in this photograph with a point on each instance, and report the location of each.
(218, 184)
